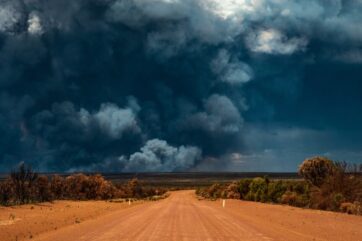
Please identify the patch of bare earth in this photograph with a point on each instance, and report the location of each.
(28, 221)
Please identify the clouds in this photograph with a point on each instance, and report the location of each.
(199, 72)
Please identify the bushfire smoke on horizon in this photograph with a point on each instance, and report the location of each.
(179, 85)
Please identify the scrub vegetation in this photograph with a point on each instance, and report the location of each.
(25, 186)
(326, 185)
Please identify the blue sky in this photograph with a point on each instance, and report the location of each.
(179, 85)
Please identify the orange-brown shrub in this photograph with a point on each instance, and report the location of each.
(341, 186)
(351, 208)
(57, 187)
(82, 187)
(42, 189)
(25, 186)
(232, 191)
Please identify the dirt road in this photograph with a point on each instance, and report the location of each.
(183, 217)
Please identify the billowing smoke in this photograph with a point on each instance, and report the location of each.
(231, 70)
(157, 155)
(158, 85)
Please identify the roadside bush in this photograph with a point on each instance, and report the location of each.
(75, 186)
(57, 187)
(43, 191)
(82, 187)
(26, 186)
(276, 191)
(315, 170)
(258, 190)
(344, 184)
(244, 187)
(232, 191)
(215, 191)
(328, 185)
(351, 208)
(294, 199)
(137, 189)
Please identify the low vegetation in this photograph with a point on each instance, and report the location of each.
(327, 185)
(26, 186)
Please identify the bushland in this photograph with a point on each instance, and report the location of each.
(326, 185)
(26, 186)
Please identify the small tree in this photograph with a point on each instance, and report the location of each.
(23, 180)
(315, 170)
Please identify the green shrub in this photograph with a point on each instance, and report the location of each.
(244, 187)
(276, 190)
(258, 190)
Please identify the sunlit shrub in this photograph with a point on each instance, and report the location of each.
(258, 190)
(315, 170)
(351, 208)
(276, 190)
(232, 191)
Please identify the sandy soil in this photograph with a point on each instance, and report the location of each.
(183, 217)
(27, 221)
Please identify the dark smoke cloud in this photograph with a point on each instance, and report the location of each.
(148, 85)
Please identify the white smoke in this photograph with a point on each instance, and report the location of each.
(34, 24)
(220, 116)
(112, 120)
(158, 155)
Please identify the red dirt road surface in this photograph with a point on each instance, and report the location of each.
(183, 217)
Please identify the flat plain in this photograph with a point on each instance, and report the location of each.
(179, 217)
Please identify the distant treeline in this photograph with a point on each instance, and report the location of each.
(26, 186)
(327, 185)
